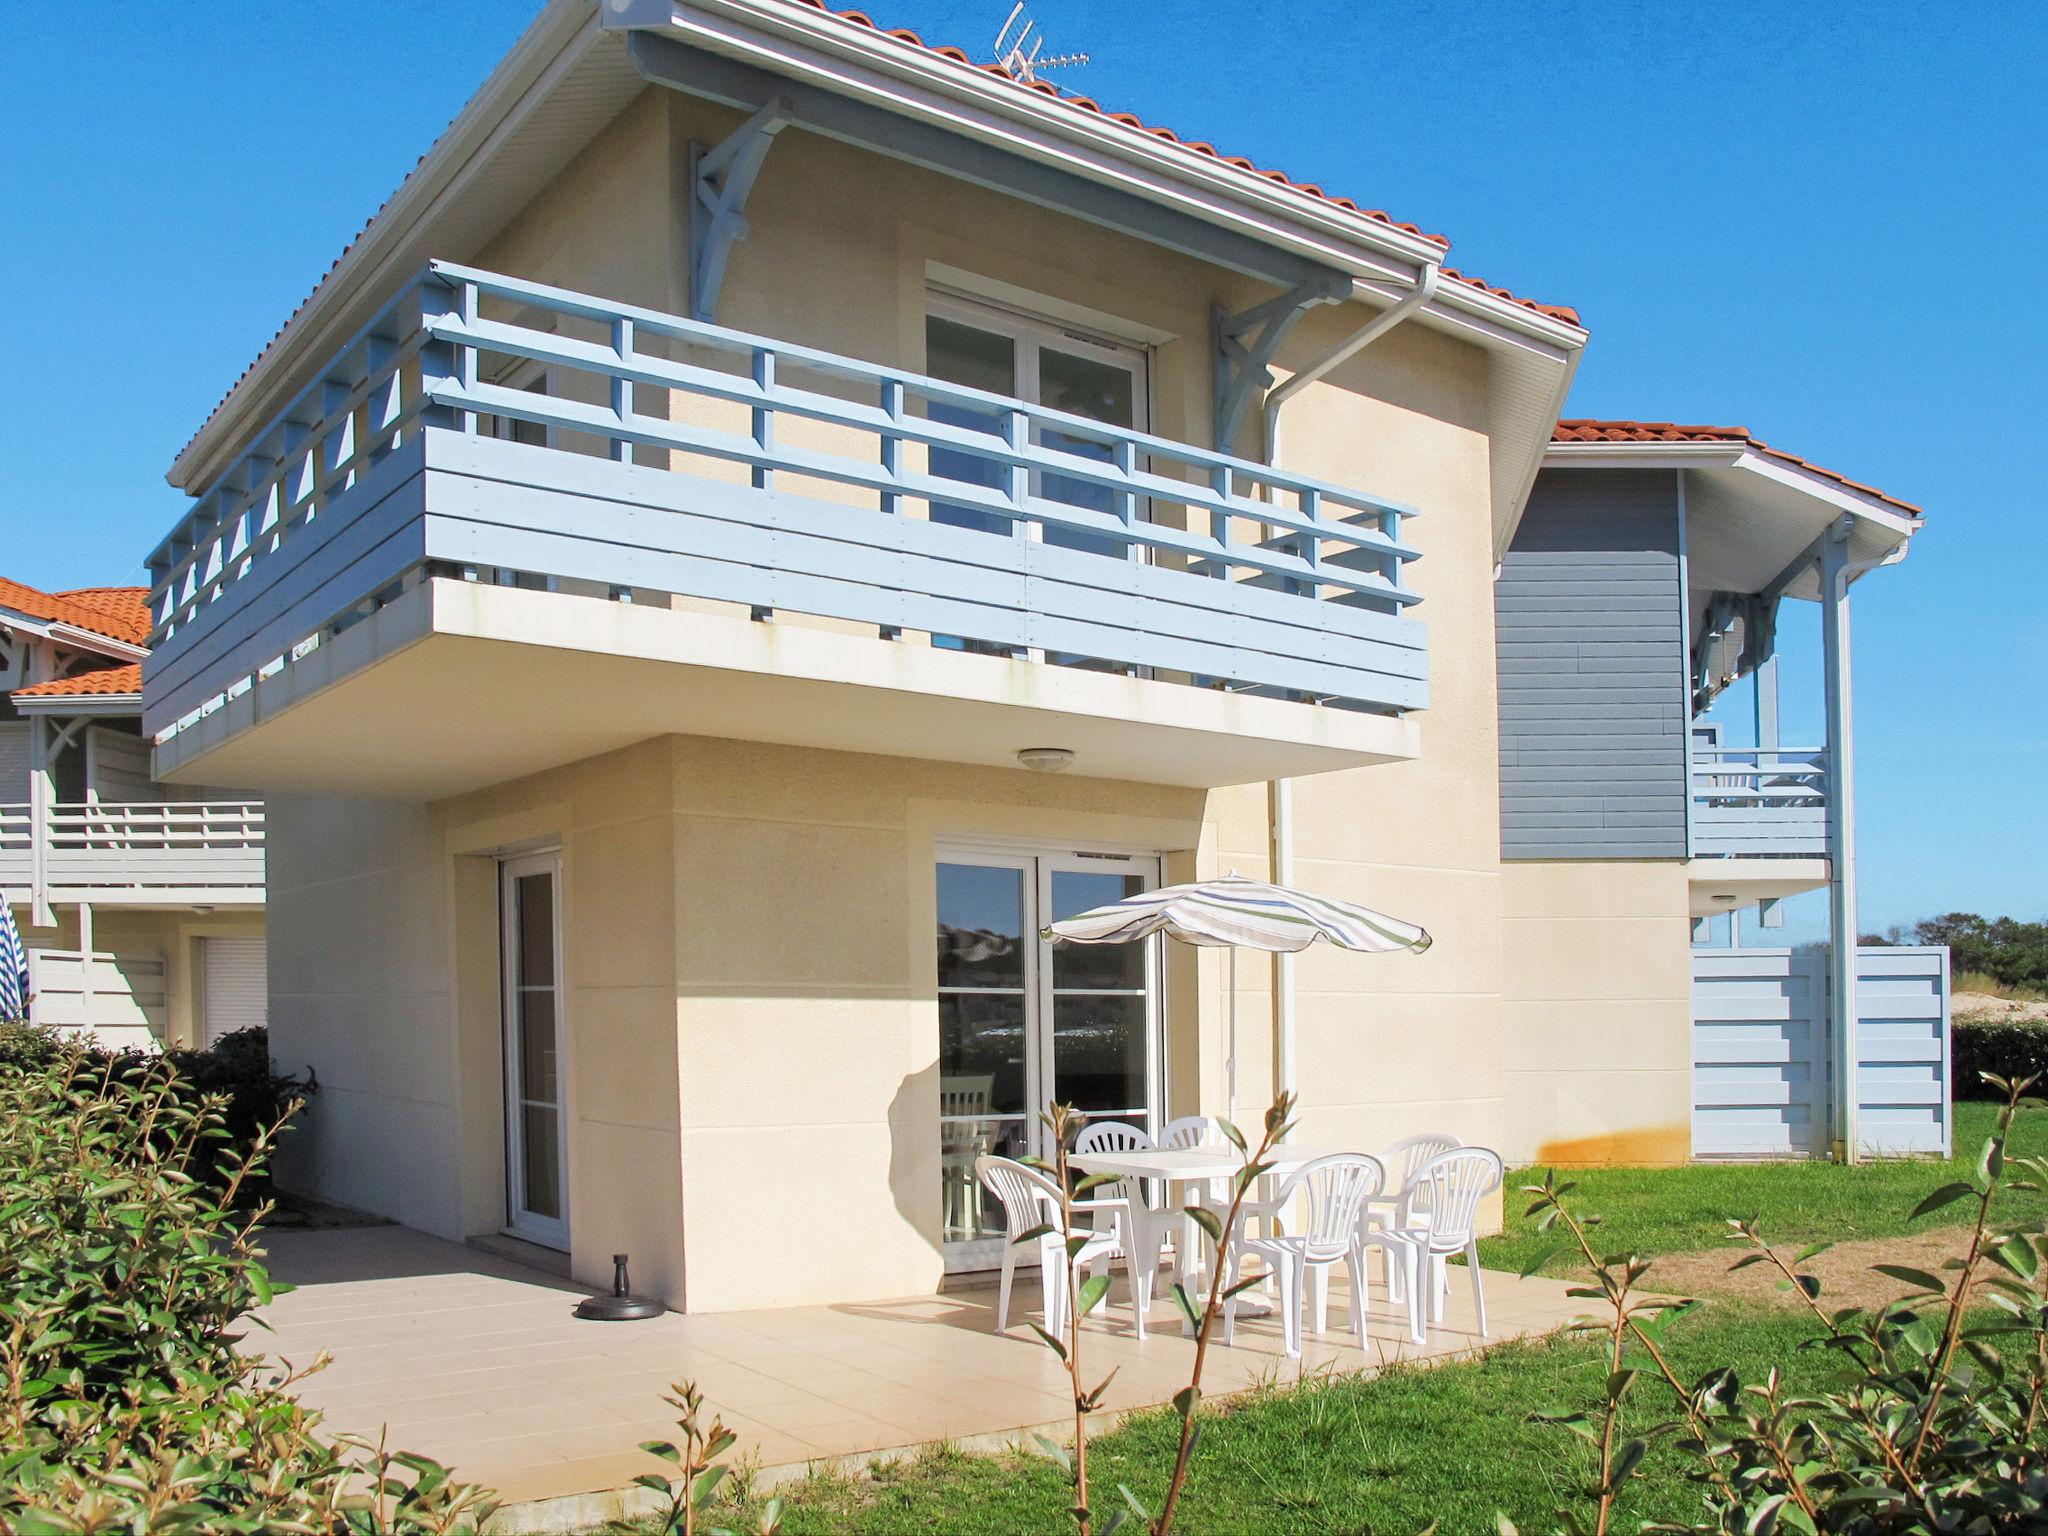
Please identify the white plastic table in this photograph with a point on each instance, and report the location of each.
(1188, 1165)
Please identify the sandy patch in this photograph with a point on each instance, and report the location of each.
(1984, 1007)
(1844, 1271)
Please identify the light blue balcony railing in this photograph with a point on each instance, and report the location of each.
(1752, 802)
(495, 429)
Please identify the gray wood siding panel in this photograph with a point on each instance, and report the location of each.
(1591, 648)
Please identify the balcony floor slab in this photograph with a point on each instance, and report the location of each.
(1723, 885)
(458, 685)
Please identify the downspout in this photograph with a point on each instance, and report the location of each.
(1280, 792)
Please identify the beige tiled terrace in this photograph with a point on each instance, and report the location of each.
(478, 1362)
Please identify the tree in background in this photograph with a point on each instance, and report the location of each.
(2012, 953)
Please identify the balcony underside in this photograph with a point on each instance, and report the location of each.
(1726, 884)
(428, 684)
(456, 685)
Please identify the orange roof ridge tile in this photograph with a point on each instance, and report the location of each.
(106, 682)
(1583, 429)
(119, 613)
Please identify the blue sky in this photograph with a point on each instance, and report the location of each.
(1824, 223)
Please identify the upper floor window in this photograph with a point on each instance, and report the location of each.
(1038, 362)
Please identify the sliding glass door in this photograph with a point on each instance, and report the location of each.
(1023, 1022)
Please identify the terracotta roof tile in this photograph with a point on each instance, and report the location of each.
(1197, 146)
(1586, 430)
(101, 684)
(119, 613)
(911, 39)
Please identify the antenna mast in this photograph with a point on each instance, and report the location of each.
(1021, 55)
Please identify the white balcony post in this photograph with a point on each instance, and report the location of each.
(41, 797)
(1841, 802)
(85, 943)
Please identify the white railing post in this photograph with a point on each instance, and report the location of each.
(763, 417)
(892, 444)
(622, 388)
(1841, 799)
(42, 798)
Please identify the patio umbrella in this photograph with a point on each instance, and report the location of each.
(13, 967)
(1237, 913)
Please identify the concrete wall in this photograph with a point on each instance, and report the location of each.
(751, 1005)
(1598, 1038)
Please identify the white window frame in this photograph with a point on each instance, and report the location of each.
(520, 1223)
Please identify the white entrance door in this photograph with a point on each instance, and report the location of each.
(536, 1134)
(1024, 1023)
(234, 986)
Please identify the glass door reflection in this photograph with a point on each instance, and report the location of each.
(1022, 1021)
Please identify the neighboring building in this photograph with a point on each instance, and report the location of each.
(140, 903)
(1644, 578)
(645, 573)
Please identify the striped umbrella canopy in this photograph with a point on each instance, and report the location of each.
(1244, 914)
(13, 967)
(1241, 914)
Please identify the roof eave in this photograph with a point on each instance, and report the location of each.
(75, 635)
(1743, 456)
(1376, 253)
(78, 703)
(562, 28)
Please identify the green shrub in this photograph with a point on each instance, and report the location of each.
(124, 1402)
(1936, 1423)
(236, 1070)
(2007, 1048)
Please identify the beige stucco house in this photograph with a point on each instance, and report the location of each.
(140, 903)
(652, 575)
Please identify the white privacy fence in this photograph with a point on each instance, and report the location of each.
(1761, 1066)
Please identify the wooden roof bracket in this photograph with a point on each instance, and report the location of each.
(721, 179)
(1245, 344)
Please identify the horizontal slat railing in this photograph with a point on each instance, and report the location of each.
(156, 845)
(639, 387)
(14, 845)
(1759, 801)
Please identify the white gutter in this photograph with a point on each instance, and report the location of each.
(70, 704)
(1281, 791)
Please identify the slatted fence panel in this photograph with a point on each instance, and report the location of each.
(1761, 1046)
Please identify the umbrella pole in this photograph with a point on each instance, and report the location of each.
(1230, 1060)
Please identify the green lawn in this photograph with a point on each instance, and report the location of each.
(1450, 1445)
(1671, 1210)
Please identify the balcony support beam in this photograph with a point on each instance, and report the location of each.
(721, 180)
(1835, 572)
(695, 71)
(1245, 344)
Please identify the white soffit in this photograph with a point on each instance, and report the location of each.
(1749, 516)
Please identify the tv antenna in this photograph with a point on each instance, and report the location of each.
(1020, 49)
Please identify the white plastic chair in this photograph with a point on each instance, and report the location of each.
(1143, 1225)
(1445, 1195)
(1029, 1199)
(1333, 1191)
(963, 1130)
(1398, 1207)
(1192, 1133)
